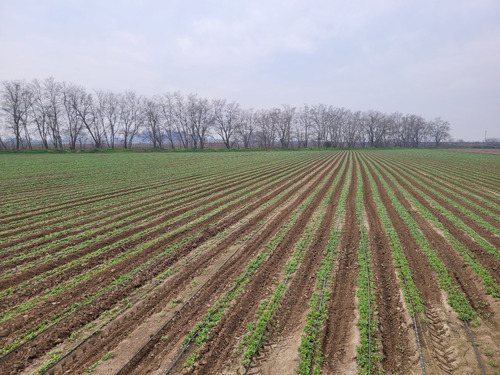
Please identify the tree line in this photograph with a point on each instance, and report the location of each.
(57, 115)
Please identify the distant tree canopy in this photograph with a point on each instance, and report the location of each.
(60, 115)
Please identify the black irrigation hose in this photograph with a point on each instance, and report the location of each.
(416, 327)
(123, 369)
(207, 319)
(475, 348)
(81, 343)
(234, 287)
(16, 349)
(126, 308)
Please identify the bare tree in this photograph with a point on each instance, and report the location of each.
(167, 104)
(413, 130)
(396, 123)
(53, 97)
(246, 127)
(336, 118)
(304, 126)
(266, 133)
(283, 119)
(40, 112)
(131, 117)
(47, 111)
(107, 115)
(352, 130)
(379, 128)
(226, 117)
(201, 119)
(181, 119)
(15, 102)
(321, 117)
(439, 131)
(74, 124)
(2, 144)
(152, 120)
(86, 110)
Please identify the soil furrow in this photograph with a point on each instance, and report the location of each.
(395, 334)
(154, 303)
(213, 353)
(86, 287)
(337, 345)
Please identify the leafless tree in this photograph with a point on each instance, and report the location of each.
(413, 130)
(377, 127)
(131, 117)
(321, 119)
(49, 111)
(15, 102)
(181, 119)
(439, 131)
(87, 112)
(304, 125)
(226, 118)
(396, 123)
(168, 110)
(283, 119)
(39, 110)
(73, 122)
(337, 118)
(53, 96)
(152, 121)
(107, 115)
(2, 144)
(246, 127)
(353, 127)
(266, 123)
(201, 119)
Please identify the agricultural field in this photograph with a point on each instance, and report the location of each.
(308, 262)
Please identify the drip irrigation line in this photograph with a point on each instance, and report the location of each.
(208, 317)
(166, 323)
(422, 365)
(475, 348)
(123, 369)
(138, 299)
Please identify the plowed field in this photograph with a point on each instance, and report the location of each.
(334, 262)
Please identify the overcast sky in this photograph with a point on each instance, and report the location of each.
(432, 58)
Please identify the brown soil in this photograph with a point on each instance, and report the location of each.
(180, 281)
(155, 313)
(488, 261)
(212, 355)
(173, 212)
(341, 306)
(395, 333)
(120, 293)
